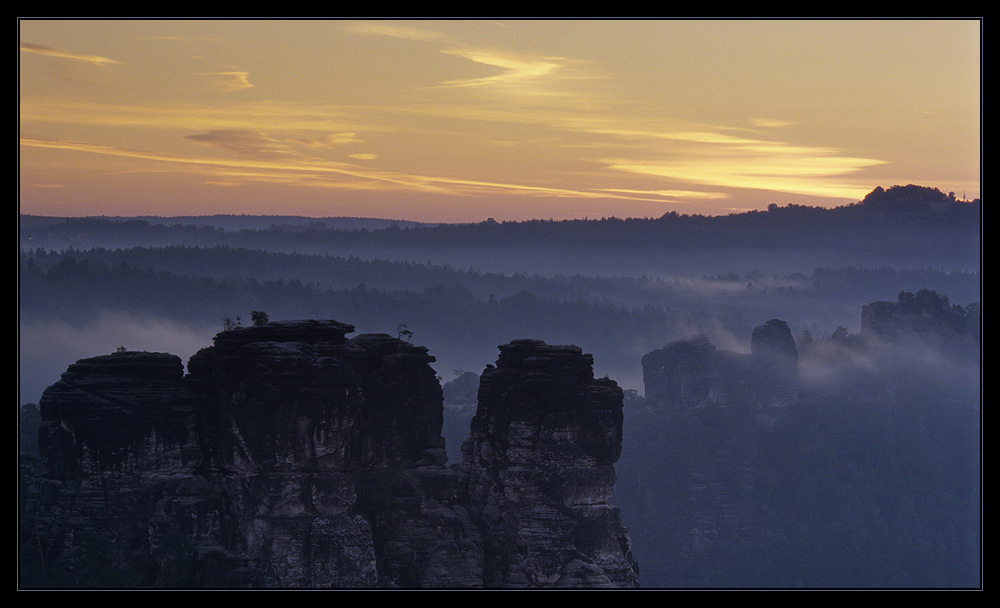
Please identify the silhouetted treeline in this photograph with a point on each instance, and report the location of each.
(461, 315)
(447, 318)
(887, 221)
(928, 311)
(73, 287)
(233, 266)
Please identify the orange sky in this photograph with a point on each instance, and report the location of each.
(458, 121)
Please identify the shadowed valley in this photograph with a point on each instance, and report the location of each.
(783, 398)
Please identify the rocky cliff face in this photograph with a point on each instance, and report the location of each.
(691, 373)
(713, 407)
(540, 462)
(839, 477)
(292, 456)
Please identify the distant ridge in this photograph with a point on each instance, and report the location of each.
(896, 202)
(899, 226)
(246, 222)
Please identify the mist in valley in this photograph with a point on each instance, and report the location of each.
(155, 285)
(47, 347)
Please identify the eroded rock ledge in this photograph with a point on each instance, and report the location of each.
(290, 455)
(540, 463)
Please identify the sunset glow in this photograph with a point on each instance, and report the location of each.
(456, 121)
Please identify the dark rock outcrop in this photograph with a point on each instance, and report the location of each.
(925, 315)
(292, 456)
(713, 406)
(837, 477)
(692, 373)
(775, 362)
(540, 460)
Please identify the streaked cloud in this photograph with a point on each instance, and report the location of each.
(772, 122)
(63, 54)
(247, 143)
(513, 68)
(256, 165)
(789, 169)
(326, 123)
(228, 81)
(393, 30)
(674, 194)
(507, 112)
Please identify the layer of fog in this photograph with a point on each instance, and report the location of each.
(47, 349)
(954, 368)
(602, 262)
(749, 287)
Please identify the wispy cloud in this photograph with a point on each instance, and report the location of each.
(514, 69)
(764, 166)
(330, 140)
(518, 73)
(249, 143)
(255, 165)
(676, 195)
(393, 30)
(49, 51)
(325, 123)
(772, 122)
(485, 112)
(245, 142)
(228, 81)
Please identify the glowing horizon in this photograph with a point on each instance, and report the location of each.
(453, 121)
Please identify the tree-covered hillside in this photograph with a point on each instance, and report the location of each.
(872, 478)
(886, 228)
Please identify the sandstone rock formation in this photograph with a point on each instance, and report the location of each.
(714, 406)
(923, 315)
(540, 461)
(775, 361)
(292, 456)
(839, 477)
(691, 373)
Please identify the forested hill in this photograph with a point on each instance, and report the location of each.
(870, 480)
(897, 220)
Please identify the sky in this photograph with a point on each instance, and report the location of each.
(464, 120)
